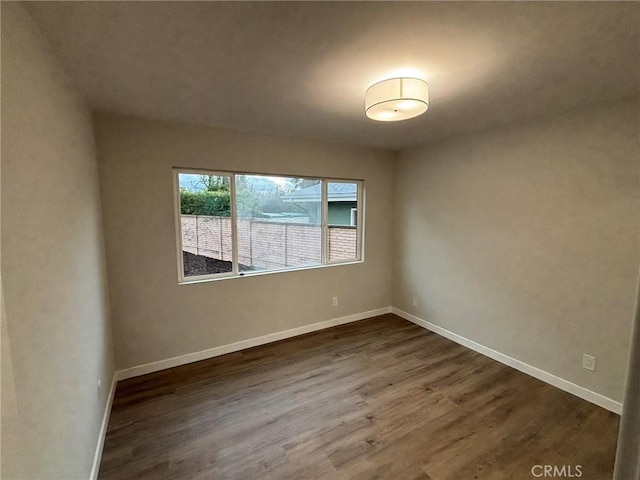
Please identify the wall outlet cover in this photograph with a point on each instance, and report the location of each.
(588, 362)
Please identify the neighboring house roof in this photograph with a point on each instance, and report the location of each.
(337, 192)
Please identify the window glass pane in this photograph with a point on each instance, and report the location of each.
(205, 216)
(279, 222)
(342, 223)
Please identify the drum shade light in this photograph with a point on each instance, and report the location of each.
(396, 99)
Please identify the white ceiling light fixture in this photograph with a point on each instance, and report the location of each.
(396, 99)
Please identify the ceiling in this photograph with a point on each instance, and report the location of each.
(301, 69)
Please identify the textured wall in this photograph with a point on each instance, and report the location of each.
(56, 332)
(154, 318)
(525, 240)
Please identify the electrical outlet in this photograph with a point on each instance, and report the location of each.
(588, 362)
(414, 301)
(99, 384)
(335, 301)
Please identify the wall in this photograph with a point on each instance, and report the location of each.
(340, 212)
(154, 318)
(628, 451)
(265, 244)
(55, 327)
(525, 240)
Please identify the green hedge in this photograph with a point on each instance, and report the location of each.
(217, 204)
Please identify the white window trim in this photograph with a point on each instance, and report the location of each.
(325, 222)
(325, 262)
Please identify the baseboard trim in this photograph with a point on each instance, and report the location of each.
(252, 342)
(547, 377)
(102, 434)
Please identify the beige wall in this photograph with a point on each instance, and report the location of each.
(628, 451)
(154, 318)
(525, 240)
(55, 331)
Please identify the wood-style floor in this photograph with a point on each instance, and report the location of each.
(377, 399)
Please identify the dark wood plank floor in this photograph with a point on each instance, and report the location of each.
(377, 399)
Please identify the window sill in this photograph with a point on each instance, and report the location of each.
(268, 272)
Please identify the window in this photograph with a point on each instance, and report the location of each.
(234, 224)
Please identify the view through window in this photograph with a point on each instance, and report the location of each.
(234, 224)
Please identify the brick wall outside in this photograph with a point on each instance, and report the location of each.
(265, 244)
(342, 243)
(207, 236)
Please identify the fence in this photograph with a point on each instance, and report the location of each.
(265, 244)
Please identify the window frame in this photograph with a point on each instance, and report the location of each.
(235, 273)
(354, 213)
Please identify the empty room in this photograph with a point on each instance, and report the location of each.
(320, 240)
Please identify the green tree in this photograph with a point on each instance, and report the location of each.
(216, 203)
(248, 201)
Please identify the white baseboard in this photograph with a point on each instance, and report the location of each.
(252, 342)
(102, 434)
(547, 377)
(535, 372)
